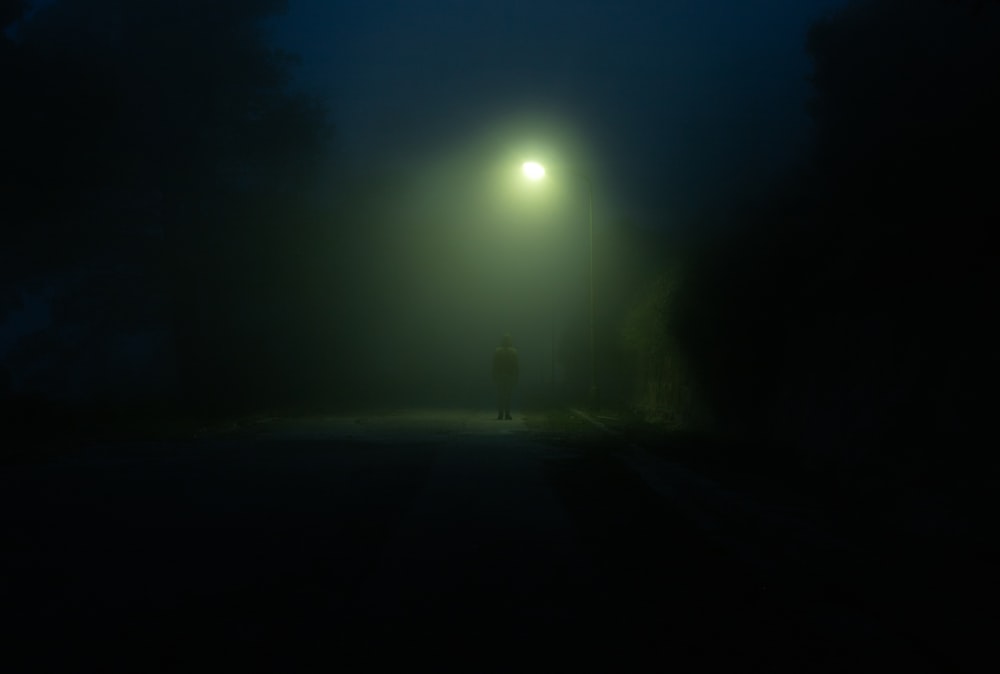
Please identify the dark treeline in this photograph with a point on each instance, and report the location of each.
(158, 179)
(847, 316)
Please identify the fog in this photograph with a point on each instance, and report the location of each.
(458, 251)
(257, 256)
(236, 207)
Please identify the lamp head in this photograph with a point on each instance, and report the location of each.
(533, 170)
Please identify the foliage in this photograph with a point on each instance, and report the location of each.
(645, 327)
(151, 147)
(661, 387)
(844, 316)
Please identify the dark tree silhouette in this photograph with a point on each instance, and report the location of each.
(10, 12)
(846, 316)
(157, 165)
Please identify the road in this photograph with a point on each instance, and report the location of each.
(428, 535)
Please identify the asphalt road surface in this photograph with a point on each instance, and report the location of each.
(417, 537)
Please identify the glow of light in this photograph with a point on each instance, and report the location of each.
(533, 170)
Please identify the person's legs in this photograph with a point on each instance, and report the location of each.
(500, 401)
(506, 401)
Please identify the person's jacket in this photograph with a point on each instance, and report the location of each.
(505, 368)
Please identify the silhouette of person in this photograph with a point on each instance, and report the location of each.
(505, 372)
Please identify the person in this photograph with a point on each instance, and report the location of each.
(505, 372)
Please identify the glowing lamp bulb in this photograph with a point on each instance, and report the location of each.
(533, 170)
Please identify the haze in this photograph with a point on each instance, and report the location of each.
(320, 204)
(261, 261)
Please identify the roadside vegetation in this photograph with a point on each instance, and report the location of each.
(835, 325)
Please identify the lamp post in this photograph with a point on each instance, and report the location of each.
(535, 171)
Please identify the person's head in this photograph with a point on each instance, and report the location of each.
(506, 341)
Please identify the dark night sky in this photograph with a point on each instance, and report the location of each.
(673, 104)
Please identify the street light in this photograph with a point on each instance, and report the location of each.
(535, 171)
